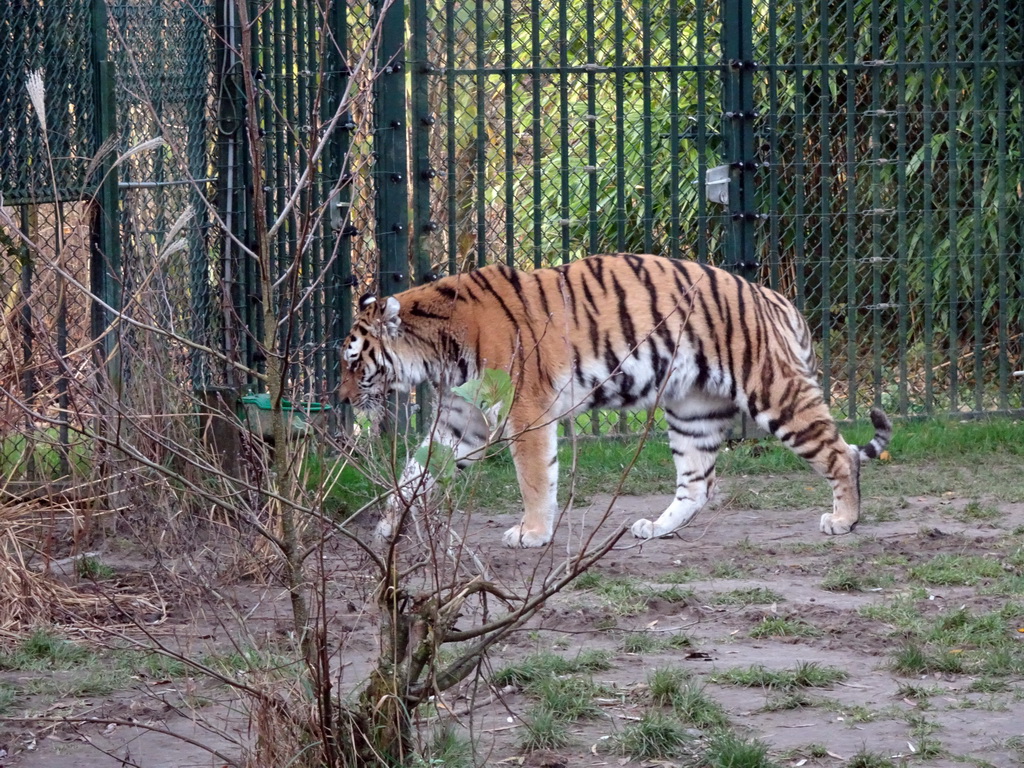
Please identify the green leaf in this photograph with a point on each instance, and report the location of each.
(439, 461)
(493, 388)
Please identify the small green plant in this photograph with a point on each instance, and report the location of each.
(748, 596)
(693, 705)
(727, 750)
(44, 651)
(572, 698)
(956, 570)
(805, 675)
(974, 512)
(866, 759)
(446, 748)
(913, 659)
(655, 736)
(666, 684)
(842, 580)
(7, 697)
(547, 664)
(788, 700)
(777, 626)
(544, 729)
(93, 569)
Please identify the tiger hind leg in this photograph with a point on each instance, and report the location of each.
(696, 428)
(814, 436)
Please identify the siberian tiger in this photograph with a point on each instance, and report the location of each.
(614, 331)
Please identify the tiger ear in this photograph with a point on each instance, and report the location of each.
(392, 322)
(366, 300)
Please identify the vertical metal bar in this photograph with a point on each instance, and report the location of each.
(389, 137)
(878, 119)
(851, 211)
(647, 132)
(105, 242)
(28, 375)
(1002, 240)
(825, 206)
(674, 139)
(421, 122)
(537, 132)
(563, 131)
(339, 295)
(620, 130)
(978, 240)
(481, 134)
(774, 221)
(510, 146)
(702, 133)
(799, 169)
(592, 189)
(452, 167)
(926, 206)
(62, 341)
(903, 266)
(738, 51)
(952, 213)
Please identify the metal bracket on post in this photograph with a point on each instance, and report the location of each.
(738, 84)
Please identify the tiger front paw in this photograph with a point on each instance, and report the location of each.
(834, 526)
(517, 537)
(644, 529)
(385, 529)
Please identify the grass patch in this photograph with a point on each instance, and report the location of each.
(778, 626)
(43, 651)
(947, 570)
(867, 759)
(693, 705)
(93, 569)
(7, 698)
(975, 512)
(571, 698)
(628, 596)
(804, 675)
(546, 664)
(655, 736)
(748, 596)
(648, 642)
(789, 700)
(666, 684)
(449, 749)
(728, 750)
(544, 729)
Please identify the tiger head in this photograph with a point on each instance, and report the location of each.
(370, 366)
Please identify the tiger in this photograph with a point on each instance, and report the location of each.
(614, 331)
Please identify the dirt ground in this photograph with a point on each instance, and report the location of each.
(937, 719)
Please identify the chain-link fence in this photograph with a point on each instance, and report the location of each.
(862, 157)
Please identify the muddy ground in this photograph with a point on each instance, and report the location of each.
(934, 719)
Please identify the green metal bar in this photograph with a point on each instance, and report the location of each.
(422, 121)
(481, 135)
(978, 240)
(452, 168)
(105, 246)
(339, 293)
(927, 253)
(825, 209)
(591, 118)
(774, 75)
(620, 129)
(674, 139)
(537, 133)
(902, 262)
(851, 212)
(1003, 241)
(799, 169)
(702, 134)
(563, 132)
(879, 119)
(389, 136)
(952, 96)
(510, 145)
(647, 132)
(738, 51)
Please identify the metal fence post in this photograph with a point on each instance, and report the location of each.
(391, 172)
(738, 102)
(105, 258)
